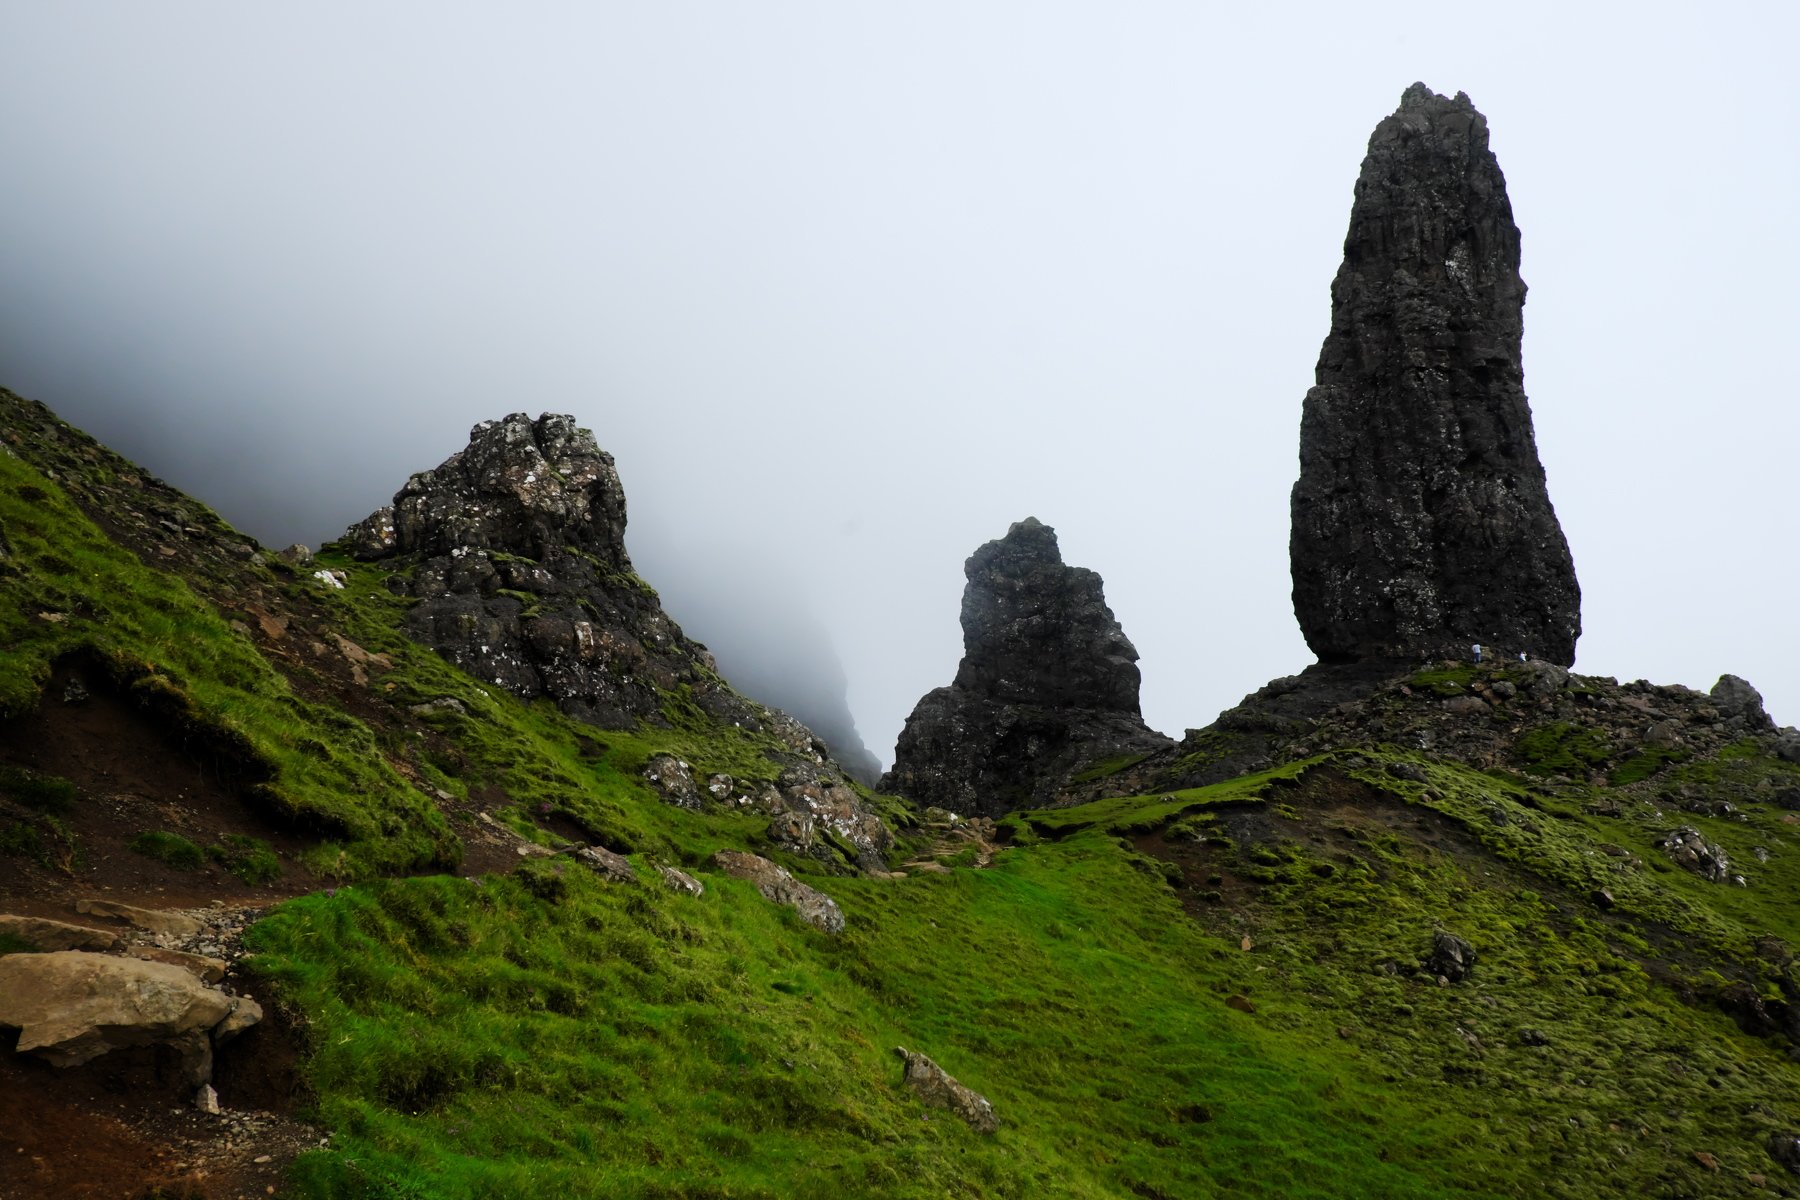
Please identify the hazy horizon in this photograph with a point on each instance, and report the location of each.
(846, 290)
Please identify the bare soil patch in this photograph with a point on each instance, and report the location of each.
(132, 776)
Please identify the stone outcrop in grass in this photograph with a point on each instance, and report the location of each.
(938, 1088)
(516, 545)
(1421, 520)
(779, 887)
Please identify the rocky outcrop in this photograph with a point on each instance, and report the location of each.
(516, 549)
(1421, 521)
(938, 1088)
(1736, 698)
(779, 887)
(1689, 848)
(1048, 685)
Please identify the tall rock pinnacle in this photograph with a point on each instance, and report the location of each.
(1421, 523)
(1048, 684)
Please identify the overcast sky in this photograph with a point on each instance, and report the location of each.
(849, 287)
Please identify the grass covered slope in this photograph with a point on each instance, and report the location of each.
(73, 592)
(511, 1038)
(1212, 980)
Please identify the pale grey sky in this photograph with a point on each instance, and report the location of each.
(849, 287)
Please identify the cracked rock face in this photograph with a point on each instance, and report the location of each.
(1048, 684)
(523, 579)
(1421, 521)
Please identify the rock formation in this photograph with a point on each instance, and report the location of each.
(1048, 685)
(72, 1006)
(523, 579)
(515, 549)
(938, 1088)
(1421, 523)
(779, 887)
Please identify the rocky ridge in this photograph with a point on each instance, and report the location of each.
(1421, 520)
(1047, 686)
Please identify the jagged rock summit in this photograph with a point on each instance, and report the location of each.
(523, 579)
(1047, 685)
(1421, 522)
(515, 550)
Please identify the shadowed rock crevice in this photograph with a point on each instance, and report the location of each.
(1421, 521)
(1048, 685)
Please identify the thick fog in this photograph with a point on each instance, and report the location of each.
(848, 288)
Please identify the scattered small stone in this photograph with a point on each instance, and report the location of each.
(1452, 957)
(681, 881)
(207, 1100)
(1240, 1002)
(1706, 1160)
(673, 780)
(443, 704)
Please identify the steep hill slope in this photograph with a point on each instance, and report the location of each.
(1203, 982)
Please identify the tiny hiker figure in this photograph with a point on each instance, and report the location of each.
(1477, 648)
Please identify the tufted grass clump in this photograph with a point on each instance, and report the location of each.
(34, 789)
(252, 860)
(170, 849)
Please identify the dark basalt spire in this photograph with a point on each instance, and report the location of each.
(1421, 523)
(1048, 683)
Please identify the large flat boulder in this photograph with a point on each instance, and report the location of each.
(42, 933)
(72, 1006)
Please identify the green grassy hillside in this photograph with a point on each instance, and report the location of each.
(1189, 992)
